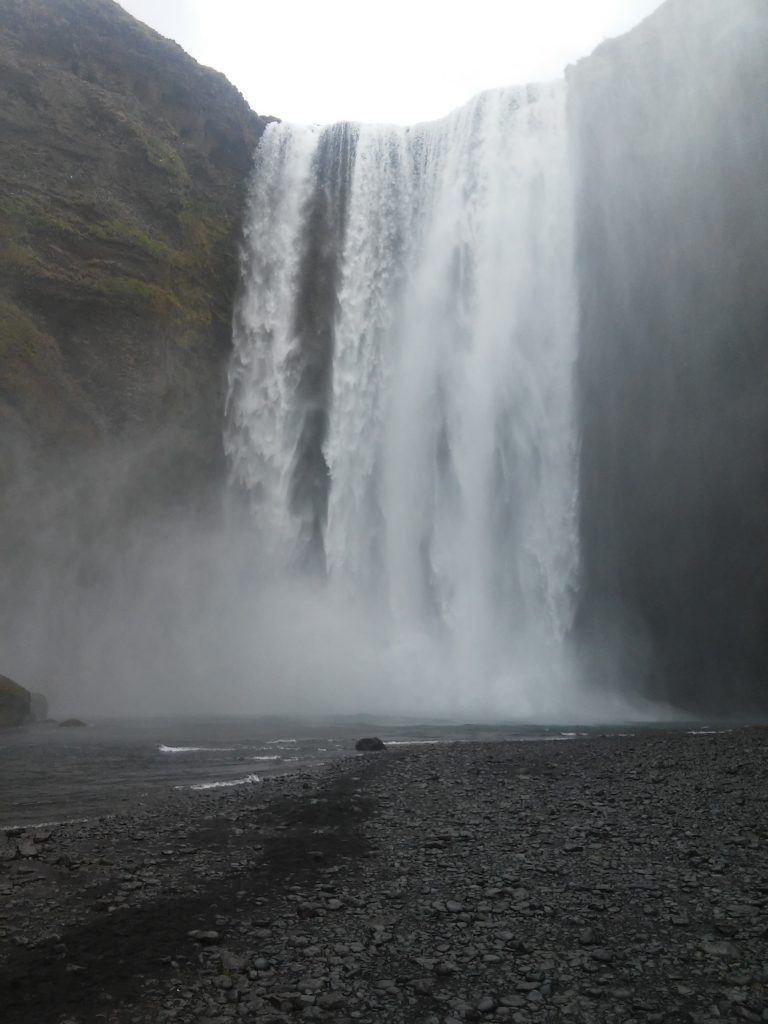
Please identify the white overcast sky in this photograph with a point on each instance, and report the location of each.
(401, 60)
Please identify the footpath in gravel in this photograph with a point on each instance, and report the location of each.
(611, 879)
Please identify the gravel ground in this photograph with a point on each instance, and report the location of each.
(611, 879)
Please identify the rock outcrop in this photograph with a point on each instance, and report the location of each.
(15, 706)
(673, 234)
(123, 173)
(370, 744)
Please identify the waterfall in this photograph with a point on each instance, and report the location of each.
(400, 411)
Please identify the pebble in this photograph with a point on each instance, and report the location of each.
(503, 882)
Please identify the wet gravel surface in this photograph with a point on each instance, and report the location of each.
(603, 879)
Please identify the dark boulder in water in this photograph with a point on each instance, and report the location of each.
(72, 723)
(370, 743)
(14, 703)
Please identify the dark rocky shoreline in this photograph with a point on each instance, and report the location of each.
(606, 879)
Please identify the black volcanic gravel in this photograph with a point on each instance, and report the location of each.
(613, 879)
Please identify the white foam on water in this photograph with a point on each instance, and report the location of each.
(248, 780)
(413, 743)
(163, 749)
(48, 824)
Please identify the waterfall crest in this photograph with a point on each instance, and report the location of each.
(400, 411)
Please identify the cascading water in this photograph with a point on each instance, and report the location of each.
(400, 406)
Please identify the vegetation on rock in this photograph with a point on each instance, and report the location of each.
(123, 174)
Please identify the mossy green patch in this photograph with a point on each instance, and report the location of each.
(34, 381)
(158, 151)
(121, 231)
(21, 338)
(172, 282)
(25, 218)
(139, 295)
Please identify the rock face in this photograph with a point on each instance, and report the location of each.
(123, 170)
(673, 137)
(123, 173)
(14, 704)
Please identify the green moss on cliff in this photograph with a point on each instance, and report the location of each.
(178, 282)
(34, 381)
(129, 234)
(124, 171)
(139, 295)
(19, 334)
(159, 152)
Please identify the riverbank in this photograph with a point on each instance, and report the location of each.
(600, 879)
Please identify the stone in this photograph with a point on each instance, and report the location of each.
(8, 849)
(15, 704)
(231, 961)
(370, 744)
(331, 1000)
(602, 955)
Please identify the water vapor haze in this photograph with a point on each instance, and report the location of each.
(495, 403)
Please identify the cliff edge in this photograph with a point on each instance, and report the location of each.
(672, 135)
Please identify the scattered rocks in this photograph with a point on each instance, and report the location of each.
(365, 894)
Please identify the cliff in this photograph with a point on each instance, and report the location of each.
(15, 704)
(122, 178)
(672, 136)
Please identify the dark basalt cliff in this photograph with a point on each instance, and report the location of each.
(671, 124)
(123, 170)
(15, 704)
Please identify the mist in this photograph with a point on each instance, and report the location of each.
(671, 148)
(173, 616)
(494, 431)
(116, 604)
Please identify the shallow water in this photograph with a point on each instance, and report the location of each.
(48, 774)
